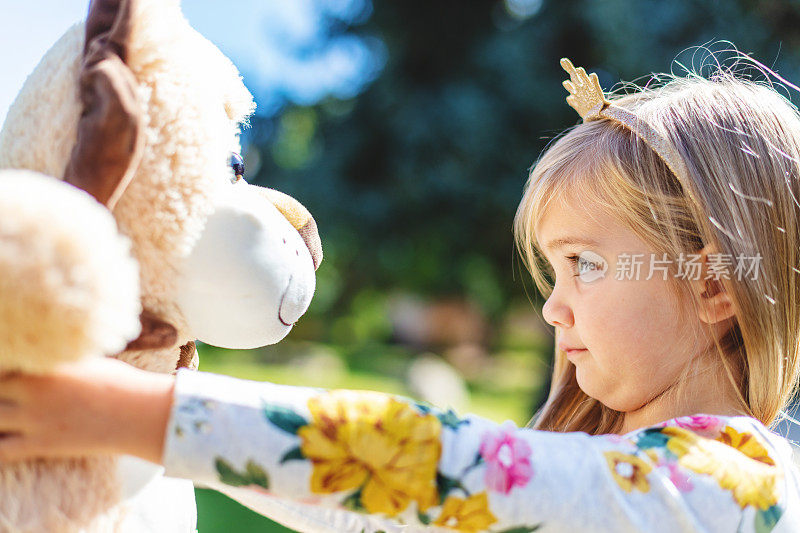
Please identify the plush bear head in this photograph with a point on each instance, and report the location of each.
(126, 229)
(142, 112)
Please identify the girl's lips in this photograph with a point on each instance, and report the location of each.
(574, 352)
(567, 348)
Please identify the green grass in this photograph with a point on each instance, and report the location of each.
(218, 513)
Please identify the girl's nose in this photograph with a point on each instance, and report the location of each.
(557, 313)
(300, 218)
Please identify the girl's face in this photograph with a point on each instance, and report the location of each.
(632, 338)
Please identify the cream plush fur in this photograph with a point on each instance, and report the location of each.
(178, 209)
(69, 289)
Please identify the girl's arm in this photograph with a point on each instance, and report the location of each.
(96, 406)
(365, 460)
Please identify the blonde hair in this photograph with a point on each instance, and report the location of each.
(740, 140)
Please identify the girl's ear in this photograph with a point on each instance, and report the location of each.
(714, 303)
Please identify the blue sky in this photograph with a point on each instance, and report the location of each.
(27, 29)
(282, 47)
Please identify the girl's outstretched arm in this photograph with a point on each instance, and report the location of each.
(330, 460)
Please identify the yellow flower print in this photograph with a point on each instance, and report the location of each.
(743, 466)
(747, 444)
(471, 514)
(374, 442)
(629, 471)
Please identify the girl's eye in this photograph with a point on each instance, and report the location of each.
(237, 165)
(590, 266)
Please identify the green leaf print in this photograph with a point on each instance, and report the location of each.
(284, 418)
(353, 502)
(522, 529)
(451, 420)
(423, 408)
(445, 484)
(293, 455)
(765, 520)
(652, 438)
(253, 474)
(256, 475)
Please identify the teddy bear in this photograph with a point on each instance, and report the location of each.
(136, 110)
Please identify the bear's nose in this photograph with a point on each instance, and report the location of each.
(299, 217)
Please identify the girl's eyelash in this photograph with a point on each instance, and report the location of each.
(573, 259)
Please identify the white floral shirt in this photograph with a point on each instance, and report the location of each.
(342, 460)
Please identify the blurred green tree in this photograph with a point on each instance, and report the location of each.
(414, 182)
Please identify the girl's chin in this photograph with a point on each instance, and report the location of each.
(593, 387)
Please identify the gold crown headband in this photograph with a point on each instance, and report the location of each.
(587, 98)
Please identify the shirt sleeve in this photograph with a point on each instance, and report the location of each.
(366, 461)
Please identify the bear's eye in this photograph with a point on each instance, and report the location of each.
(237, 164)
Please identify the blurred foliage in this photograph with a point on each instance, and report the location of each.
(500, 393)
(414, 183)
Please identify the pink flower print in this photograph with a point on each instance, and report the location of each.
(507, 458)
(703, 425)
(679, 478)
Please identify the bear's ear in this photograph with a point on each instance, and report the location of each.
(110, 141)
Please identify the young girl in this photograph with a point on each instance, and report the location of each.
(668, 224)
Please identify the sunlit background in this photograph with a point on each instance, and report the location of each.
(408, 128)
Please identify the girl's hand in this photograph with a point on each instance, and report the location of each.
(98, 406)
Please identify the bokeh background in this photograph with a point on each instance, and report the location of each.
(408, 129)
